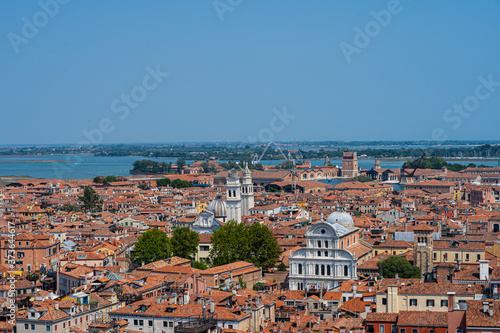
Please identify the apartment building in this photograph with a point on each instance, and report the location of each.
(30, 253)
(77, 312)
(418, 296)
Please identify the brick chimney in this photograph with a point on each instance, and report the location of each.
(451, 300)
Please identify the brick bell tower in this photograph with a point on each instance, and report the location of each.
(423, 247)
(350, 164)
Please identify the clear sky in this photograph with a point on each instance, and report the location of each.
(342, 70)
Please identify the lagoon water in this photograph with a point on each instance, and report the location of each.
(89, 166)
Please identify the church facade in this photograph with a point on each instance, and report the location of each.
(324, 263)
(239, 200)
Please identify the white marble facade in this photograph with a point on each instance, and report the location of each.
(322, 263)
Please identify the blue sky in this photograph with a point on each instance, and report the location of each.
(225, 77)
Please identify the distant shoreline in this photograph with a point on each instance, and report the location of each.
(486, 159)
(35, 161)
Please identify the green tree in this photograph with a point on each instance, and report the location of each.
(362, 179)
(199, 265)
(181, 163)
(229, 244)
(163, 182)
(264, 248)
(398, 265)
(153, 245)
(184, 242)
(259, 166)
(258, 286)
(109, 179)
(179, 183)
(241, 283)
(67, 207)
(237, 241)
(91, 202)
(282, 267)
(208, 167)
(150, 166)
(97, 180)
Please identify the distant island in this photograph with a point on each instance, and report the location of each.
(245, 151)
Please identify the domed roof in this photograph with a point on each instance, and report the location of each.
(342, 218)
(218, 207)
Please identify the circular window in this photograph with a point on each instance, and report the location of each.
(323, 231)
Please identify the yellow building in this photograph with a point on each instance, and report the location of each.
(391, 246)
(32, 211)
(452, 250)
(412, 295)
(201, 206)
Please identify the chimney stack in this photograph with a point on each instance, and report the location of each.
(491, 309)
(367, 308)
(392, 299)
(484, 270)
(485, 307)
(451, 300)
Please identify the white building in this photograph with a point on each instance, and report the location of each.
(206, 222)
(247, 197)
(324, 262)
(233, 196)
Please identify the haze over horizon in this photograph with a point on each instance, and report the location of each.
(282, 70)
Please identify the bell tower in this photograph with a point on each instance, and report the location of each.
(423, 247)
(247, 197)
(233, 196)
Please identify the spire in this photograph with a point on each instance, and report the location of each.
(246, 171)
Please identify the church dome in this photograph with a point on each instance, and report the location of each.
(218, 207)
(342, 218)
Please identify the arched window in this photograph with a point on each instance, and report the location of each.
(326, 244)
(342, 244)
(328, 270)
(317, 270)
(322, 269)
(326, 253)
(319, 253)
(346, 270)
(319, 244)
(347, 241)
(300, 268)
